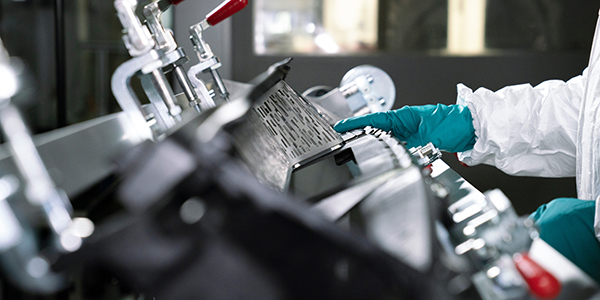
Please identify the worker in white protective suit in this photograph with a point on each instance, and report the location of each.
(550, 130)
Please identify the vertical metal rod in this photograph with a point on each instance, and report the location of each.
(187, 87)
(164, 91)
(61, 75)
(220, 84)
(185, 83)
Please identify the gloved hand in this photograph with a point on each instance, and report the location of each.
(449, 128)
(567, 224)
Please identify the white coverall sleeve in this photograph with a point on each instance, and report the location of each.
(525, 130)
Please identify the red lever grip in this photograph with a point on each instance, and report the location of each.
(175, 2)
(541, 283)
(225, 10)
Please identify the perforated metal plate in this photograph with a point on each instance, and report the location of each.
(283, 130)
(295, 124)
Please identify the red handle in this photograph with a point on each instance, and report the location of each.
(541, 283)
(175, 2)
(225, 10)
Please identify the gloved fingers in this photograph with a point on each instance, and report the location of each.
(350, 123)
(449, 128)
(377, 120)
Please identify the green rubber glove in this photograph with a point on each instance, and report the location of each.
(567, 224)
(449, 128)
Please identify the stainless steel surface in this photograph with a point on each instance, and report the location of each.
(378, 152)
(80, 155)
(295, 124)
(475, 215)
(398, 217)
(283, 130)
(262, 153)
(389, 194)
(336, 206)
(486, 230)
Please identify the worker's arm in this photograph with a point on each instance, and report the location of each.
(525, 130)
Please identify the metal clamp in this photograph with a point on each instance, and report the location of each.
(137, 38)
(127, 98)
(209, 62)
(175, 56)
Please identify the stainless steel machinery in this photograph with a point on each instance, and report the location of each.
(254, 196)
(409, 203)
